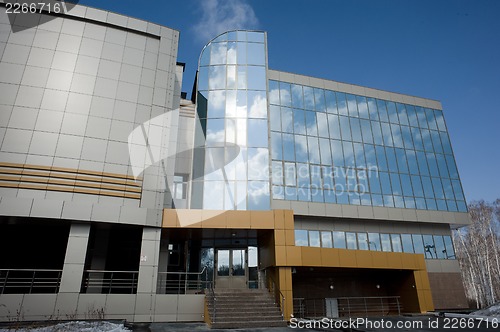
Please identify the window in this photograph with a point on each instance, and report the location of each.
(301, 238)
(363, 241)
(351, 241)
(326, 239)
(180, 187)
(339, 240)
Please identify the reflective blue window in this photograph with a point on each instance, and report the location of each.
(334, 126)
(311, 127)
(345, 128)
(299, 119)
(297, 96)
(356, 130)
(362, 107)
(392, 112)
(352, 105)
(372, 109)
(403, 116)
(431, 121)
(319, 100)
(308, 98)
(289, 147)
(407, 145)
(331, 101)
(342, 103)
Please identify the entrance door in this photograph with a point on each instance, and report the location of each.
(231, 268)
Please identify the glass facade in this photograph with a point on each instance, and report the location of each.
(432, 246)
(231, 165)
(334, 147)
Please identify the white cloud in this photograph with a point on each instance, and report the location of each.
(218, 16)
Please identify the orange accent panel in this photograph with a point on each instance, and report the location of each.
(279, 219)
(293, 256)
(363, 258)
(329, 257)
(289, 221)
(310, 256)
(290, 237)
(279, 237)
(238, 219)
(394, 260)
(213, 219)
(170, 218)
(262, 219)
(280, 254)
(379, 259)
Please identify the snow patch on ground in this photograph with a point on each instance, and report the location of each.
(76, 326)
(492, 310)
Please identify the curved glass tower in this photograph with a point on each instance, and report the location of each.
(231, 155)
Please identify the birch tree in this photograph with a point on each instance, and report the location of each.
(477, 250)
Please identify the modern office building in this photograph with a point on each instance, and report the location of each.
(122, 198)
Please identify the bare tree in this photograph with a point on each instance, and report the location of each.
(477, 250)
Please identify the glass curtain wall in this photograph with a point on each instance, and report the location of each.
(231, 157)
(334, 147)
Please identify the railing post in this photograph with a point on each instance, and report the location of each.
(32, 281)
(110, 282)
(5, 281)
(349, 307)
(59, 276)
(399, 309)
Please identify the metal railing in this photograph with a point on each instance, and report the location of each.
(183, 282)
(28, 281)
(212, 301)
(279, 298)
(110, 282)
(349, 306)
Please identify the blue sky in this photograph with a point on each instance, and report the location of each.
(445, 50)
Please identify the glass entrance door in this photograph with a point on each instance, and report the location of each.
(231, 268)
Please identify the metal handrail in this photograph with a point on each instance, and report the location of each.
(349, 306)
(214, 301)
(282, 297)
(183, 281)
(111, 283)
(31, 282)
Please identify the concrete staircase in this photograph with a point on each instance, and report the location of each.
(243, 308)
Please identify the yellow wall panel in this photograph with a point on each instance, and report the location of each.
(238, 219)
(347, 258)
(262, 219)
(213, 219)
(289, 221)
(329, 257)
(311, 256)
(363, 258)
(429, 304)
(191, 218)
(279, 237)
(379, 259)
(170, 218)
(293, 256)
(290, 237)
(280, 254)
(279, 219)
(394, 260)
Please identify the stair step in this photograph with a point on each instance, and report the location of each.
(253, 324)
(244, 309)
(220, 314)
(239, 318)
